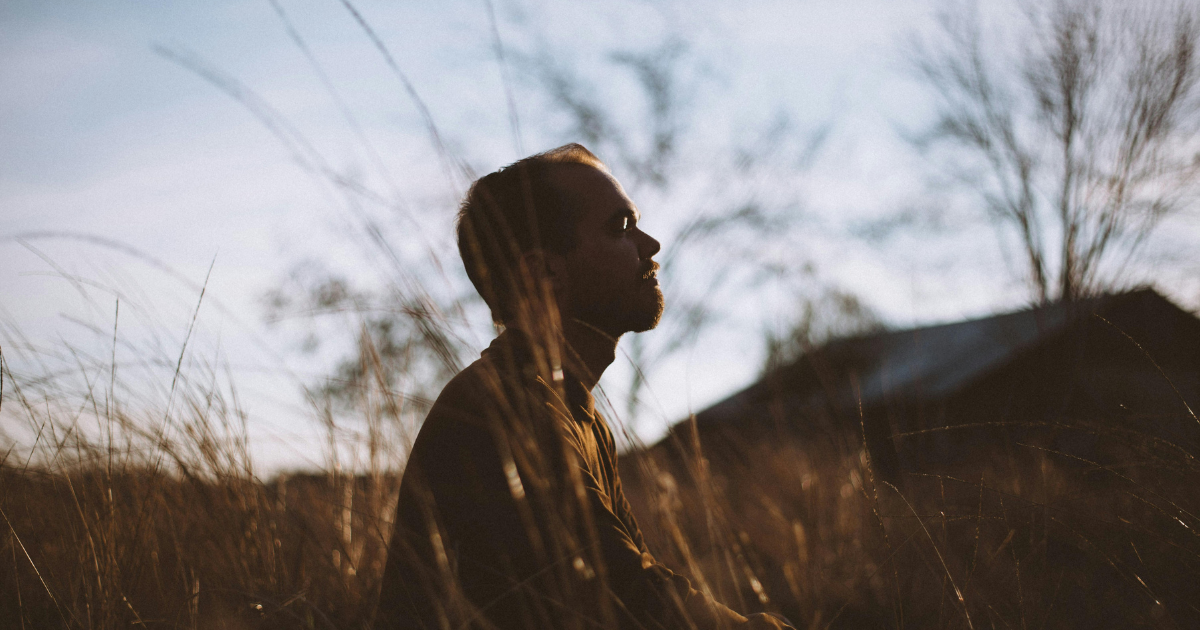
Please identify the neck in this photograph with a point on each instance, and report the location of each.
(589, 351)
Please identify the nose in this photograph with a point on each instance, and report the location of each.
(648, 246)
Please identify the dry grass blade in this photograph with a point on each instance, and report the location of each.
(426, 116)
(958, 592)
(33, 565)
(1149, 358)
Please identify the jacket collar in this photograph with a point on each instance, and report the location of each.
(514, 348)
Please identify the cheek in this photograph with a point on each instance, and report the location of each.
(604, 266)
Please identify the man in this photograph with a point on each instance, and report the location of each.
(511, 512)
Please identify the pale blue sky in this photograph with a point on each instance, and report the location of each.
(102, 136)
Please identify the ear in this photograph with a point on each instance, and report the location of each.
(551, 266)
(556, 268)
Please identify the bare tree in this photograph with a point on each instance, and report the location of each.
(828, 314)
(1079, 134)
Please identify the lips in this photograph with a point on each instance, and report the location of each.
(650, 274)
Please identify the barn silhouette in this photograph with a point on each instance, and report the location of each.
(1051, 377)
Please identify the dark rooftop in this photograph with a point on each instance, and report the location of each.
(927, 362)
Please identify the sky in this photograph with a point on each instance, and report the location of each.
(129, 183)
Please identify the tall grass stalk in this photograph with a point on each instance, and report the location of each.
(130, 512)
(118, 514)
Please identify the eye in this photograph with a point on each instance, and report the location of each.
(626, 223)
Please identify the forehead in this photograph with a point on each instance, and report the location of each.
(595, 195)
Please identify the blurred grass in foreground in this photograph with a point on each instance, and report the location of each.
(134, 526)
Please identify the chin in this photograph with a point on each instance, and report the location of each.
(644, 326)
(648, 316)
(637, 315)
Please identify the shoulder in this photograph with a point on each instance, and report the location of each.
(454, 438)
(467, 390)
(475, 403)
(490, 398)
(462, 404)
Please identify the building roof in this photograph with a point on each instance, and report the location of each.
(928, 362)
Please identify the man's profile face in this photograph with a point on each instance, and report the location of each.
(611, 280)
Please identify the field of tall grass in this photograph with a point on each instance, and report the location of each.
(129, 524)
(154, 513)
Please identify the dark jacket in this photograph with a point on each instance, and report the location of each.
(511, 513)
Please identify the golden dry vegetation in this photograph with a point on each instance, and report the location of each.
(175, 530)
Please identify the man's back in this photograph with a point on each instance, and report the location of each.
(511, 510)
